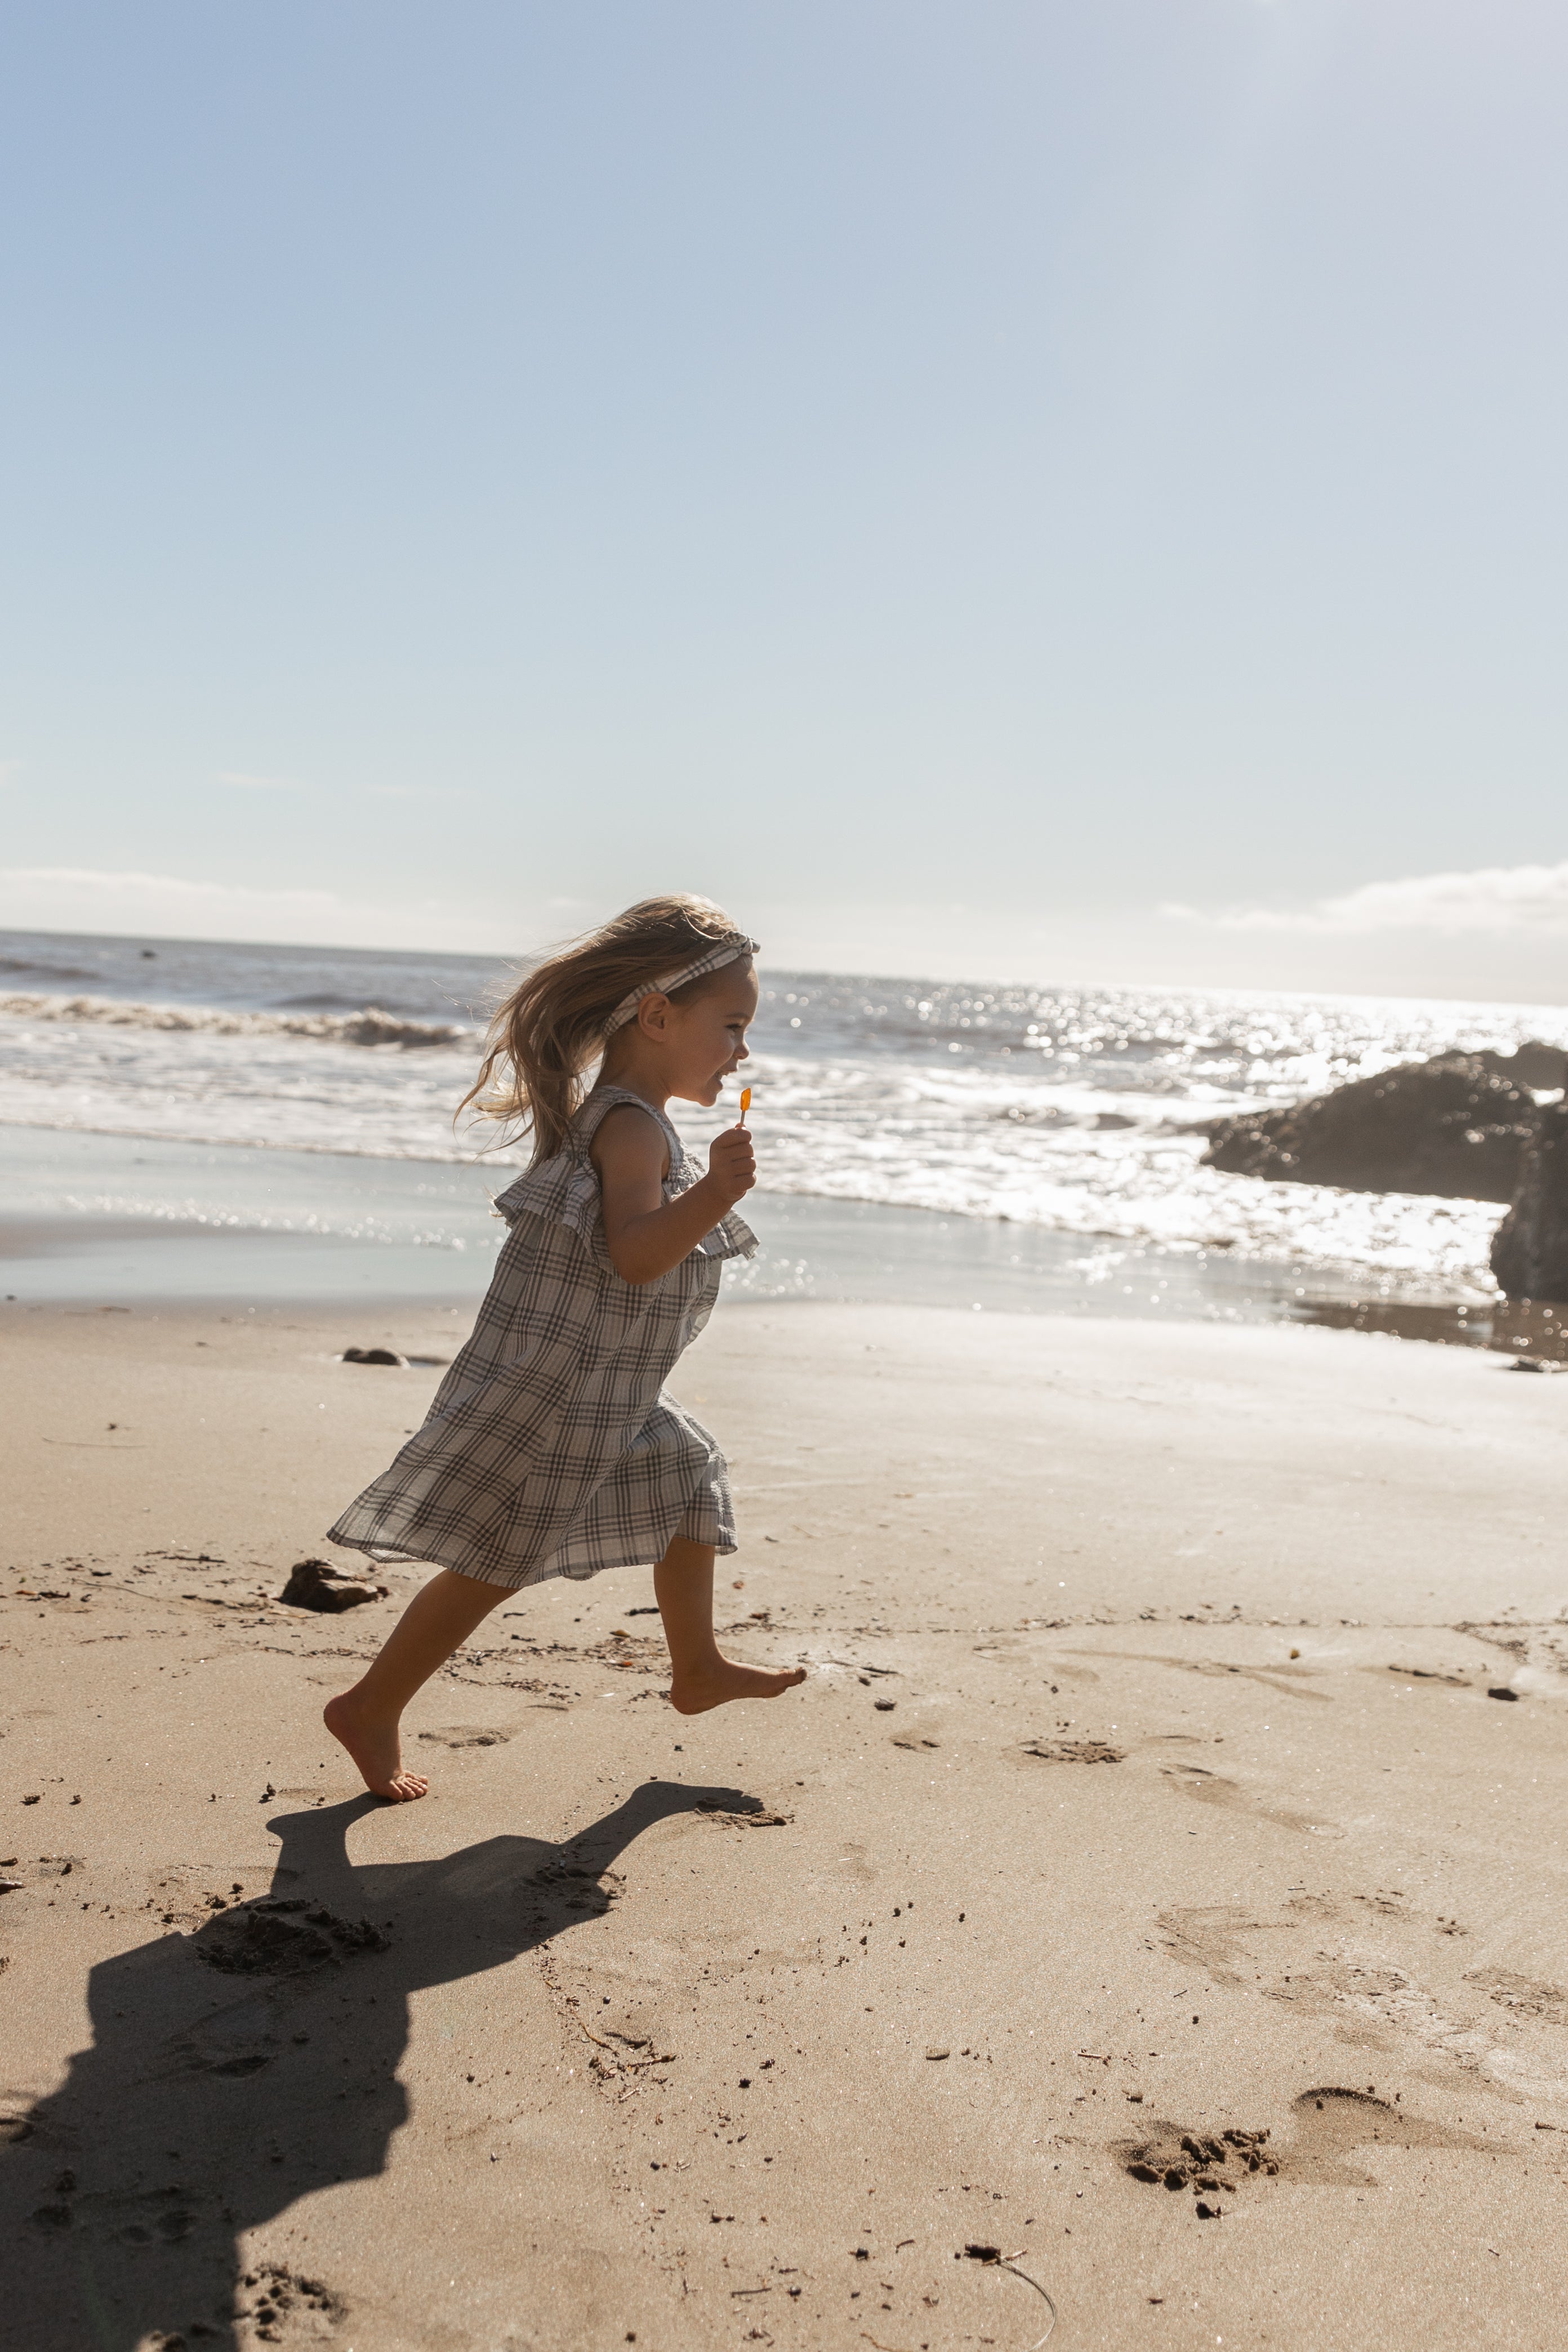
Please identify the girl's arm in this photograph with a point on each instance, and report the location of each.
(647, 1234)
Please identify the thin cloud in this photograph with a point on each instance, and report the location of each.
(1490, 899)
(93, 882)
(172, 906)
(242, 782)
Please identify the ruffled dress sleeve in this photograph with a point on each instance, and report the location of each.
(566, 1188)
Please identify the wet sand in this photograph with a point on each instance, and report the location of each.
(1146, 1790)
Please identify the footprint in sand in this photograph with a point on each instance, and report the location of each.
(1523, 1995)
(1209, 1788)
(1285, 1679)
(284, 1937)
(286, 2307)
(1524, 1998)
(1376, 2004)
(1517, 2074)
(1072, 1751)
(1212, 1936)
(1327, 2124)
(465, 1734)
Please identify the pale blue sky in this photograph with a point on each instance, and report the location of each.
(950, 481)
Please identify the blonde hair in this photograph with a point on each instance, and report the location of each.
(549, 1031)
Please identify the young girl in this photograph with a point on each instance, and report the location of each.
(550, 1449)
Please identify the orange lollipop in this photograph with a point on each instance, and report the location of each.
(745, 1103)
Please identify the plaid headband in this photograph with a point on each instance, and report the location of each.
(724, 951)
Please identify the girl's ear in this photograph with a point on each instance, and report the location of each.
(653, 1016)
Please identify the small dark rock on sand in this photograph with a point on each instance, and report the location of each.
(374, 1356)
(317, 1584)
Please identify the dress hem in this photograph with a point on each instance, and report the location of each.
(388, 1555)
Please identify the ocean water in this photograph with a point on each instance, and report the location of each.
(1053, 1129)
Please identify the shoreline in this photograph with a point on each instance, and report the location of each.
(126, 1268)
(250, 1227)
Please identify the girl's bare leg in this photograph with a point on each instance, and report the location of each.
(683, 1587)
(436, 1622)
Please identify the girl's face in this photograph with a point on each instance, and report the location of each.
(704, 1039)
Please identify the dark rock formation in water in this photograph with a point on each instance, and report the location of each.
(1530, 1065)
(1454, 1126)
(1530, 1251)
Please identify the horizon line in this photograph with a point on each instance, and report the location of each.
(827, 971)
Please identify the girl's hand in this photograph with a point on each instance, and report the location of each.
(732, 1165)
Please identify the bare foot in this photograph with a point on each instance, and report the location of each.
(375, 1748)
(694, 1693)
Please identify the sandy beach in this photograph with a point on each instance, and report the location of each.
(1144, 1886)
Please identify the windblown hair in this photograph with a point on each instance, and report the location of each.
(550, 1032)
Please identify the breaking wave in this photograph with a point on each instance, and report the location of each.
(368, 1025)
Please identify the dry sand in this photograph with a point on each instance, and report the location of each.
(1146, 1784)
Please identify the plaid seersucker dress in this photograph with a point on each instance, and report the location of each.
(550, 1448)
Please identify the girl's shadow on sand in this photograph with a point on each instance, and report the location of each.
(237, 2069)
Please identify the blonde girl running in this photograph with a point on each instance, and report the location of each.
(550, 1448)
